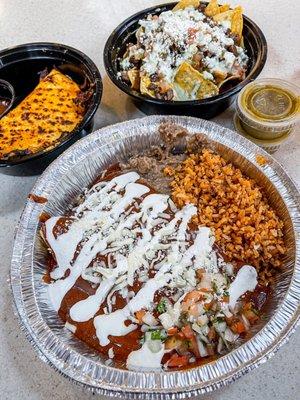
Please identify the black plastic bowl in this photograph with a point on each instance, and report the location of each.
(255, 44)
(7, 96)
(21, 66)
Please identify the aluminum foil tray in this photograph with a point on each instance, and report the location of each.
(64, 180)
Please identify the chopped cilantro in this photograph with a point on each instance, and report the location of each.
(162, 306)
(228, 281)
(215, 288)
(158, 334)
(219, 319)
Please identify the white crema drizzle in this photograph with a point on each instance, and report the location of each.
(136, 236)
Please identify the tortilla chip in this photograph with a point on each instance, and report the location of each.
(242, 43)
(207, 89)
(134, 77)
(212, 8)
(237, 22)
(235, 17)
(224, 16)
(219, 76)
(182, 4)
(231, 78)
(192, 82)
(223, 8)
(139, 32)
(144, 86)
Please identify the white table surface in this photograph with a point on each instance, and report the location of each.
(86, 24)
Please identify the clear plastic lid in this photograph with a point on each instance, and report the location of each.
(270, 105)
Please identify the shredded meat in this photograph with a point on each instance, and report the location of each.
(172, 133)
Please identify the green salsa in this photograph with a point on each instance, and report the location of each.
(267, 111)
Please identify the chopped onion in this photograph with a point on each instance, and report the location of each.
(229, 269)
(202, 320)
(246, 322)
(230, 336)
(202, 349)
(220, 327)
(149, 319)
(226, 312)
(197, 329)
(220, 345)
(166, 320)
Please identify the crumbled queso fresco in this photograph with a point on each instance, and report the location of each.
(167, 40)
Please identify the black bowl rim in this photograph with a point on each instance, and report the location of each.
(89, 113)
(10, 87)
(255, 71)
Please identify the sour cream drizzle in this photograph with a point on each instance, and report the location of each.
(245, 280)
(65, 254)
(114, 323)
(120, 218)
(145, 358)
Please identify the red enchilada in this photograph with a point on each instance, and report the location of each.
(139, 280)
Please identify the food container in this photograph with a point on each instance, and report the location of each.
(267, 111)
(7, 97)
(64, 179)
(255, 44)
(21, 67)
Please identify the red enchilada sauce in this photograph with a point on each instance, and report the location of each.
(122, 346)
(85, 331)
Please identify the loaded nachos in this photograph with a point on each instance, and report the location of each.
(186, 53)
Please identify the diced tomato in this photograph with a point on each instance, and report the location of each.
(212, 334)
(247, 306)
(172, 343)
(187, 331)
(191, 35)
(225, 299)
(193, 296)
(178, 361)
(190, 335)
(139, 315)
(210, 349)
(238, 327)
(229, 320)
(200, 272)
(181, 335)
(208, 306)
(172, 331)
(251, 316)
(192, 31)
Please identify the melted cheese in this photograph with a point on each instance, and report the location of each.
(50, 112)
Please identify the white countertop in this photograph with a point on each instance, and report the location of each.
(86, 26)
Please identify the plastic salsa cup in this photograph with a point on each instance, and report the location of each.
(267, 111)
